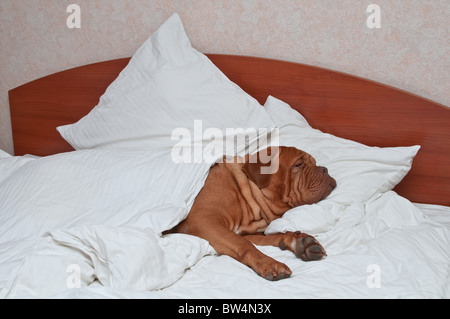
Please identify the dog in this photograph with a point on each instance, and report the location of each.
(238, 202)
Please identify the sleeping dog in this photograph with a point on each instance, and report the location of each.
(238, 202)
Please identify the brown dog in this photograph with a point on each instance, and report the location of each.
(238, 202)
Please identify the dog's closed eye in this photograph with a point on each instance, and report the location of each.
(299, 164)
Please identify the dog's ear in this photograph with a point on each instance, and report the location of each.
(258, 166)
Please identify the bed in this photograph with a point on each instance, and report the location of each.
(78, 220)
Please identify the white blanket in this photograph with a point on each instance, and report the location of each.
(385, 247)
(122, 258)
(89, 208)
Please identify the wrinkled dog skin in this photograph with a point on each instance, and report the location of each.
(238, 202)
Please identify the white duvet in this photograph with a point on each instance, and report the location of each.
(87, 210)
(386, 248)
(68, 231)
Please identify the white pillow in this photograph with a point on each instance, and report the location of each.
(3, 154)
(9, 164)
(167, 85)
(360, 171)
(138, 188)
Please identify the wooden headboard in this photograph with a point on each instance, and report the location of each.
(337, 103)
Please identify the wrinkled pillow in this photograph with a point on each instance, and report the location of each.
(138, 188)
(168, 85)
(9, 164)
(360, 171)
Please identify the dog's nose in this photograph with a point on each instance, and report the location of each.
(323, 170)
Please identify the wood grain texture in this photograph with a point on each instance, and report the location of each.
(336, 103)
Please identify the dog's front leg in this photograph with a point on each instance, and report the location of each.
(226, 242)
(302, 245)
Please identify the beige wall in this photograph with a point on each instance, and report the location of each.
(411, 50)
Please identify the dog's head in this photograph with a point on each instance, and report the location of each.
(290, 172)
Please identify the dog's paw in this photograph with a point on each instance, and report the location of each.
(308, 249)
(273, 270)
(304, 246)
